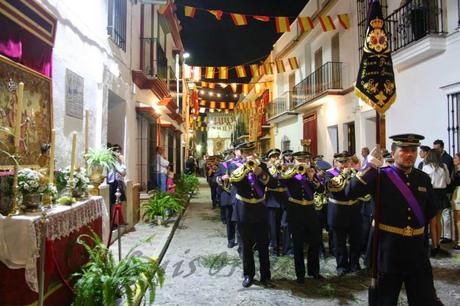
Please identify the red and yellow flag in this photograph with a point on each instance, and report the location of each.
(231, 105)
(189, 11)
(212, 85)
(203, 103)
(326, 23)
(257, 88)
(223, 73)
(216, 13)
(262, 18)
(238, 19)
(212, 104)
(222, 105)
(234, 87)
(209, 73)
(204, 84)
(280, 66)
(267, 68)
(344, 21)
(305, 24)
(282, 24)
(163, 8)
(241, 71)
(254, 70)
(294, 63)
(245, 88)
(196, 73)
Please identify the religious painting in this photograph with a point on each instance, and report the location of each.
(36, 119)
(218, 145)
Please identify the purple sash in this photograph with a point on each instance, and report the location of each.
(225, 165)
(305, 186)
(334, 172)
(253, 181)
(406, 193)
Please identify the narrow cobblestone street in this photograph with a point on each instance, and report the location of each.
(201, 270)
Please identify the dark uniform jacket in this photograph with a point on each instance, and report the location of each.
(276, 195)
(397, 253)
(227, 192)
(340, 215)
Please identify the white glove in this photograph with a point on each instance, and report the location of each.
(375, 158)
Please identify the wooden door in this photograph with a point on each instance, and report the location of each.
(310, 132)
(318, 73)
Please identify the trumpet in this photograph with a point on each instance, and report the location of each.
(277, 168)
(252, 164)
(301, 168)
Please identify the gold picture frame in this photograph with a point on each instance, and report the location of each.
(37, 117)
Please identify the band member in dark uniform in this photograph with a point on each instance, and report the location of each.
(302, 219)
(251, 213)
(406, 208)
(286, 248)
(211, 167)
(321, 167)
(343, 216)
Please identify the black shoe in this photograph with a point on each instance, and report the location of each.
(231, 244)
(341, 272)
(457, 247)
(434, 252)
(446, 240)
(318, 277)
(247, 281)
(265, 279)
(355, 268)
(300, 280)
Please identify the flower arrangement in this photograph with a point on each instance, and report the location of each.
(31, 181)
(80, 180)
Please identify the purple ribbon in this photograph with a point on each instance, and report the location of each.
(406, 193)
(253, 181)
(334, 171)
(305, 186)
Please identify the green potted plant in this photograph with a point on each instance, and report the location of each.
(103, 281)
(32, 185)
(161, 206)
(99, 160)
(80, 181)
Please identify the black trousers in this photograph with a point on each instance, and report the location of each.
(255, 233)
(231, 225)
(214, 195)
(419, 288)
(274, 223)
(346, 260)
(306, 231)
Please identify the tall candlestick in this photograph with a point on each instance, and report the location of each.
(86, 131)
(51, 166)
(72, 160)
(18, 117)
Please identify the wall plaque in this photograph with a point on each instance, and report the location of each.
(73, 94)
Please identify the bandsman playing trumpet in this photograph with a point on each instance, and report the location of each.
(302, 219)
(286, 249)
(251, 213)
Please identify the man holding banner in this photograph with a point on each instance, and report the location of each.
(403, 195)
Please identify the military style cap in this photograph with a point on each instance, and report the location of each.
(273, 152)
(302, 154)
(236, 143)
(387, 156)
(343, 156)
(407, 140)
(287, 152)
(246, 146)
(318, 157)
(323, 165)
(227, 152)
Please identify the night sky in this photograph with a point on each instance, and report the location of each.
(221, 43)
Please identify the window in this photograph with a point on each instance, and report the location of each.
(116, 26)
(453, 122)
(285, 143)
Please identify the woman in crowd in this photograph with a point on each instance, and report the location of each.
(456, 199)
(170, 181)
(440, 178)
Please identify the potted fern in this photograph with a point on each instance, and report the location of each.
(161, 206)
(99, 160)
(103, 281)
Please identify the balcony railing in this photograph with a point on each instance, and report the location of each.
(413, 21)
(327, 77)
(280, 105)
(154, 62)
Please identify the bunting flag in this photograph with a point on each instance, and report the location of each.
(280, 66)
(245, 88)
(187, 72)
(204, 84)
(189, 11)
(209, 73)
(282, 24)
(217, 14)
(241, 71)
(326, 23)
(293, 63)
(257, 88)
(196, 74)
(212, 85)
(344, 21)
(223, 105)
(305, 24)
(267, 68)
(212, 104)
(262, 18)
(254, 70)
(231, 105)
(238, 19)
(203, 103)
(223, 73)
(163, 8)
(375, 83)
(234, 87)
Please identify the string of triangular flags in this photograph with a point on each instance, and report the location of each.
(256, 70)
(244, 88)
(282, 23)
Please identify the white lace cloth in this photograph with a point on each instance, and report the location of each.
(20, 235)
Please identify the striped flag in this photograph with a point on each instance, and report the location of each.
(231, 105)
(241, 71)
(245, 88)
(262, 18)
(204, 84)
(187, 72)
(282, 24)
(238, 19)
(222, 105)
(209, 73)
(257, 88)
(223, 73)
(294, 63)
(163, 8)
(305, 24)
(234, 87)
(212, 104)
(189, 11)
(196, 74)
(280, 66)
(212, 85)
(254, 70)
(203, 103)
(217, 14)
(267, 67)
(344, 21)
(326, 23)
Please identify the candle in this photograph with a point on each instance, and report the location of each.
(51, 166)
(72, 160)
(18, 117)
(86, 131)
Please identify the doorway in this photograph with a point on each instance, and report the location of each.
(318, 73)
(310, 132)
(350, 137)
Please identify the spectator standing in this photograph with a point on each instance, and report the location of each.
(116, 180)
(440, 178)
(364, 153)
(456, 199)
(190, 165)
(202, 166)
(162, 168)
(422, 154)
(170, 180)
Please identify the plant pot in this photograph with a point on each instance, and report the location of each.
(96, 178)
(31, 201)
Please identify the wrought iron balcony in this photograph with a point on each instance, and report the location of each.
(280, 105)
(153, 62)
(413, 21)
(327, 77)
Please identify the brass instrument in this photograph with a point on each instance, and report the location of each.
(296, 169)
(337, 183)
(226, 185)
(320, 200)
(243, 170)
(277, 168)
